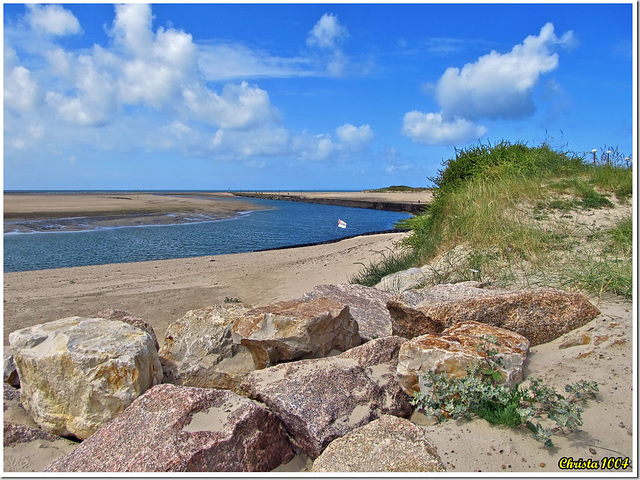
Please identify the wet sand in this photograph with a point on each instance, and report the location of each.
(24, 212)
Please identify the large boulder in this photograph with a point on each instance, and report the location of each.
(198, 349)
(184, 429)
(456, 348)
(319, 400)
(296, 329)
(78, 373)
(115, 314)
(388, 444)
(367, 305)
(540, 315)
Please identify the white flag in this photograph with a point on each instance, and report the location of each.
(342, 224)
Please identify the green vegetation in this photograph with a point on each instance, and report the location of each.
(478, 394)
(520, 216)
(397, 188)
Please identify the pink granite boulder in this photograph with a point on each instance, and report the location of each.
(184, 429)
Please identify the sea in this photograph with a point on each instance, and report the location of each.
(282, 224)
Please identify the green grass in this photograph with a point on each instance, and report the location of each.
(513, 208)
(397, 188)
(389, 262)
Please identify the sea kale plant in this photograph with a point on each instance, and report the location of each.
(479, 394)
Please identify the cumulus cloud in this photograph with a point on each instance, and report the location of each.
(494, 86)
(327, 32)
(158, 83)
(432, 129)
(327, 35)
(53, 19)
(21, 92)
(500, 85)
(355, 139)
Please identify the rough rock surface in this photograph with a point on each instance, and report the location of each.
(78, 373)
(9, 367)
(198, 349)
(402, 281)
(115, 314)
(319, 400)
(296, 329)
(455, 348)
(540, 315)
(388, 444)
(367, 305)
(184, 429)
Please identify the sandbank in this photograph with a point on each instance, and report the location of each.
(80, 211)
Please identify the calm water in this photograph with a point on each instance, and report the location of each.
(286, 224)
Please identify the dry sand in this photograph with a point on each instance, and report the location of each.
(163, 291)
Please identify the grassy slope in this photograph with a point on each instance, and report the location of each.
(518, 216)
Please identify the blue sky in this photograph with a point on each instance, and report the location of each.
(302, 96)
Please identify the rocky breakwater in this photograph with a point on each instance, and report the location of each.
(406, 207)
(250, 387)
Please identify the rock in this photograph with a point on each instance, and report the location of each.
(78, 373)
(402, 281)
(367, 305)
(296, 329)
(540, 315)
(10, 373)
(198, 349)
(319, 400)
(455, 348)
(388, 444)
(115, 314)
(184, 429)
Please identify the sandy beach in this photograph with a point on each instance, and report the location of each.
(160, 292)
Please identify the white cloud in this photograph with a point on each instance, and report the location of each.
(155, 82)
(327, 32)
(132, 27)
(432, 129)
(53, 19)
(21, 92)
(232, 60)
(238, 107)
(500, 85)
(355, 139)
(495, 86)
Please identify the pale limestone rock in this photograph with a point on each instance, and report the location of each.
(198, 349)
(78, 373)
(296, 329)
(388, 444)
(455, 348)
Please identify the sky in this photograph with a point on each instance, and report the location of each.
(303, 96)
